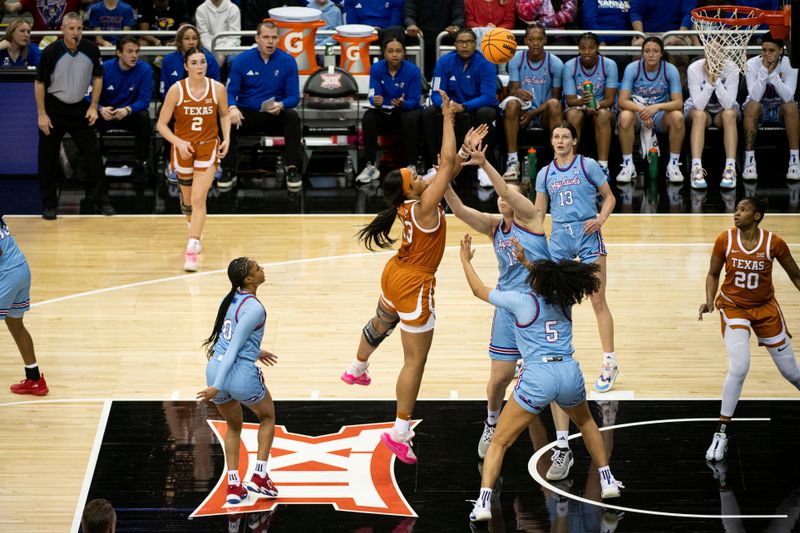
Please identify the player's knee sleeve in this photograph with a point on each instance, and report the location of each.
(737, 344)
(389, 321)
(786, 362)
(186, 209)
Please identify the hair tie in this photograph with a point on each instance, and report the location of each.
(406, 174)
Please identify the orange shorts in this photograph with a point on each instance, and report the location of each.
(766, 321)
(205, 155)
(409, 293)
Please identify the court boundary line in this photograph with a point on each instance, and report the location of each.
(380, 399)
(358, 215)
(91, 465)
(534, 473)
(307, 260)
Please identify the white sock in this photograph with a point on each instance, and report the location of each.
(513, 157)
(794, 155)
(485, 497)
(360, 366)
(697, 162)
(673, 158)
(193, 244)
(603, 164)
(749, 157)
(491, 416)
(627, 159)
(730, 162)
(401, 427)
(261, 468)
(233, 477)
(561, 439)
(605, 475)
(36, 365)
(610, 358)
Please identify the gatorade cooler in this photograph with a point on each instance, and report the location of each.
(297, 30)
(355, 39)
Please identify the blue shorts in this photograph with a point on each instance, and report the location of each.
(503, 345)
(541, 383)
(15, 292)
(568, 241)
(244, 383)
(771, 116)
(658, 118)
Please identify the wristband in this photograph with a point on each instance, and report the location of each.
(463, 154)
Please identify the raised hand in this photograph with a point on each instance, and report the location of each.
(474, 136)
(467, 252)
(519, 253)
(477, 156)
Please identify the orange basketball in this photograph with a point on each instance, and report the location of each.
(498, 45)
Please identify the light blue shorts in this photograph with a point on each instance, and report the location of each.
(244, 383)
(568, 241)
(15, 292)
(541, 383)
(503, 345)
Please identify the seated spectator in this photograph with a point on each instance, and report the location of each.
(331, 14)
(125, 99)
(658, 16)
(651, 97)
(490, 13)
(607, 15)
(552, 14)
(214, 17)
(534, 88)
(16, 49)
(172, 70)
(263, 89)
(44, 18)
(602, 72)
(771, 84)
(429, 18)
(161, 15)
(470, 81)
(712, 100)
(380, 14)
(395, 91)
(110, 15)
(99, 517)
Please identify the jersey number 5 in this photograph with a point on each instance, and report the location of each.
(746, 280)
(551, 334)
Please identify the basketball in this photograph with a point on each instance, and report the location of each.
(498, 45)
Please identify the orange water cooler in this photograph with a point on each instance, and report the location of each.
(355, 40)
(297, 31)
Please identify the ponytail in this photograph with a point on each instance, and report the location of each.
(565, 283)
(376, 233)
(237, 271)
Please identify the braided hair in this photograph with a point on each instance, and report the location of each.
(565, 283)
(238, 269)
(376, 233)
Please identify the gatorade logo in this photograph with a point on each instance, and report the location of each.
(352, 53)
(293, 41)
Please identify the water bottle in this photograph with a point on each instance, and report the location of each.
(280, 172)
(531, 169)
(652, 173)
(349, 171)
(588, 88)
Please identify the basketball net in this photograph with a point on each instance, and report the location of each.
(724, 32)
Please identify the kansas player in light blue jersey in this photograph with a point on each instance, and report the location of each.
(603, 74)
(651, 96)
(15, 300)
(534, 88)
(234, 379)
(543, 330)
(570, 185)
(519, 221)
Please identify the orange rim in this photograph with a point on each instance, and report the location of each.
(752, 15)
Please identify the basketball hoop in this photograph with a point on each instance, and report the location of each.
(726, 30)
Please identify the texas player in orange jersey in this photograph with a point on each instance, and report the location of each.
(408, 279)
(195, 102)
(747, 301)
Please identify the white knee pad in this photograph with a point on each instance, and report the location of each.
(786, 362)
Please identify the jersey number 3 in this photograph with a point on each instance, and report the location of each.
(227, 330)
(408, 230)
(746, 280)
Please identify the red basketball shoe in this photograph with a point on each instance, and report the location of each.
(236, 493)
(262, 485)
(29, 386)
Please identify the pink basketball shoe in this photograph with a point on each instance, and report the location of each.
(354, 376)
(400, 445)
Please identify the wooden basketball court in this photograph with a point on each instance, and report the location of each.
(114, 317)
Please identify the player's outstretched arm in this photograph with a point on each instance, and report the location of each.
(790, 266)
(478, 288)
(712, 284)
